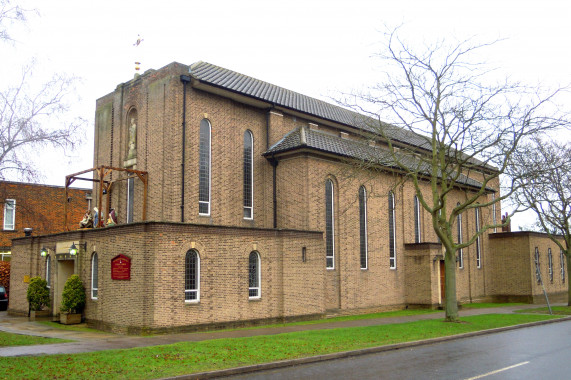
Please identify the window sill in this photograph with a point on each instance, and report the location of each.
(255, 299)
(193, 302)
(330, 269)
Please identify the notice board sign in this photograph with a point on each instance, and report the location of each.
(121, 268)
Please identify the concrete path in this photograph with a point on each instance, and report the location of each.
(98, 341)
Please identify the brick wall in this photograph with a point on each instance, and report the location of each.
(40, 207)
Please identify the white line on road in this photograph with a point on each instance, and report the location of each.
(497, 371)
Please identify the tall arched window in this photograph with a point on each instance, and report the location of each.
(94, 276)
(562, 261)
(550, 264)
(48, 270)
(329, 225)
(248, 175)
(364, 251)
(478, 244)
(204, 170)
(254, 278)
(417, 237)
(537, 266)
(192, 276)
(459, 230)
(392, 232)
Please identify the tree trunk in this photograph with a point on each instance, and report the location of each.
(568, 260)
(451, 304)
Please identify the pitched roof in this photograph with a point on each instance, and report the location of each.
(267, 92)
(302, 137)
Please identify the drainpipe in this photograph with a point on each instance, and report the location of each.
(185, 79)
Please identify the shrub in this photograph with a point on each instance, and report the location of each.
(38, 294)
(73, 296)
(5, 275)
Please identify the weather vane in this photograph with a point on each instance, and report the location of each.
(137, 43)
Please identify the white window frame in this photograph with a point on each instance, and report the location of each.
(494, 219)
(550, 264)
(251, 208)
(562, 262)
(258, 288)
(196, 291)
(94, 274)
(478, 241)
(417, 223)
(7, 203)
(209, 171)
(130, 200)
(365, 227)
(48, 271)
(329, 182)
(460, 241)
(392, 232)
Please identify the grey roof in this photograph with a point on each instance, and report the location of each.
(301, 137)
(255, 88)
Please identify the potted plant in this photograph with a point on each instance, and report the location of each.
(72, 300)
(38, 296)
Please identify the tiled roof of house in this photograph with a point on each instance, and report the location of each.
(255, 88)
(301, 137)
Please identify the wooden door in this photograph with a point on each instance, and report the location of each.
(442, 281)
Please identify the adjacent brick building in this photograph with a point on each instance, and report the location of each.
(253, 213)
(37, 207)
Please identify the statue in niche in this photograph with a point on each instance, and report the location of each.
(132, 139)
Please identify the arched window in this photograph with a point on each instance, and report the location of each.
(459, 230)
(478, 244)
(94, 276)
(48, 270)
(254, 278)
(392, 232)
(417, 237)
(248, 175)
(537, 266)
(192, 276)
(329, 226)
(550, 264)
(562, 261)
(204, 170)
(364, 251)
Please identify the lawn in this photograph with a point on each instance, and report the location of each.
(483, 305)
(557, 310)
(80, 327)
(8, 339)
(190, 357)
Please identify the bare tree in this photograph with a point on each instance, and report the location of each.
(30, 111)
(450, 133)
(544, 175)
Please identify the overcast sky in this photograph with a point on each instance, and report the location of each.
(318, 48)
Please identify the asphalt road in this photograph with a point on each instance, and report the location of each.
(542, 352)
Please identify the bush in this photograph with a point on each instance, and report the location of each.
(73, 296)
(38, 294)
(5, 275)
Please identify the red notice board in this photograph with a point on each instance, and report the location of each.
(121, 268)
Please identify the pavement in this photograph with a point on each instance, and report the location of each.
(90, 341)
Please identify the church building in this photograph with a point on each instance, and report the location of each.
(234, 201)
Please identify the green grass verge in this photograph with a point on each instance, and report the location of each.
(9, 339)
(483, 305)
(190, 357)
(557, 310)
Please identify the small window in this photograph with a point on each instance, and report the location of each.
(329, 226)
(248, 175)
(550, 264)
(562, 261)
(537, 266)
(459, 230)
(417, 236)
(392, 232)
(204, 170)
(9, 214)
(48, 270)
(192, 276)
(94, 276)
(254, 275)
(478, 247)
(364, 251)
